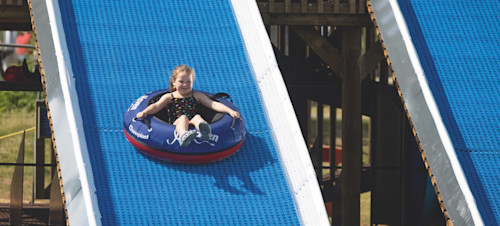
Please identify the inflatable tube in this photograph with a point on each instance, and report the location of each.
(155, 137)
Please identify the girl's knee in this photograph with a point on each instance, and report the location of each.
(181, 119)
(197, 119)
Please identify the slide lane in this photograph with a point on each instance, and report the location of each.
(100, 56)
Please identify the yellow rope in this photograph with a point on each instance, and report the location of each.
(16, 133)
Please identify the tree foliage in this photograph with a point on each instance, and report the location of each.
(17, 100)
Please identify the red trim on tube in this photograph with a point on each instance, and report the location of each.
(168, 156)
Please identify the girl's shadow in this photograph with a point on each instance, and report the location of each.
(234, 174)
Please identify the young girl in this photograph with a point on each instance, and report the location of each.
(182, 103)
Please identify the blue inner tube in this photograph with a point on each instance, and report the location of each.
(155, 137)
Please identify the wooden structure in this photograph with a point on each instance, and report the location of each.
(15, 16)
(327, 37)
(330, 56)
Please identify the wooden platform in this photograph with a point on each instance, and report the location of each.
(33, 214)
(15, 15)
(21, 86)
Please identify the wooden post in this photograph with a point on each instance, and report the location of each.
(321, 5)
(352, 6)
(303, 6)
(336, 6)
(40, 191)
(384, 72)
(319, 120)
(56, 207)
(351, 126)
(271, 6)
(16, 188)
(333, 141)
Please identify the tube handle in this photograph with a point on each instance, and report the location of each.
(145, 121)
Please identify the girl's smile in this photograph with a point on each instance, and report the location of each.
(184, 83)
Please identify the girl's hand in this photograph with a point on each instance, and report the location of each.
(140, 115)
(235, 114)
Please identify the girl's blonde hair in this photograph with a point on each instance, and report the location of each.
(177, 70)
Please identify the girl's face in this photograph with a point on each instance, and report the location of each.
(184, 83)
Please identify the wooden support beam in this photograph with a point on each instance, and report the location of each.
(384, 73)
(12, 2)
(351, 127)
(56, 207)
(320, 46)
(16, 188)
(15, 17)
(362, 7)
(271, 6)
(317, 150)
(303, 6)
(333, 142)
(314, 6)
(21, 86)
(41, 192)
(325, 94)
(352, 6)
(370, 60)
(336, 6)
(357, 20)
(321, 4)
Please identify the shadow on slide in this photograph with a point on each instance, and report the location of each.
(233, 175)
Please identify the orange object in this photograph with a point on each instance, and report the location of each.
(23, 39)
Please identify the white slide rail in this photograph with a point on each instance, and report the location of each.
(62, 98)
(292, 149)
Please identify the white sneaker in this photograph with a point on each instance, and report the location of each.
(187, 137)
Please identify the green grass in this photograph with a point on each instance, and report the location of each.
(365, 200)
(14, 121)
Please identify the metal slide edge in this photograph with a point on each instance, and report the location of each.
(424, 115)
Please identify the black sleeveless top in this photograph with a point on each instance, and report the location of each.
(182, 106)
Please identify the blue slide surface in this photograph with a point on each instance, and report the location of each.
(121, 50)
(458, 44)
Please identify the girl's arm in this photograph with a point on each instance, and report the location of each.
(157, 106)
(216, 106)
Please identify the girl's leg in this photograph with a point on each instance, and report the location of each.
(185, 135)
(181, 124)
(196, 120)
(202, 126)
